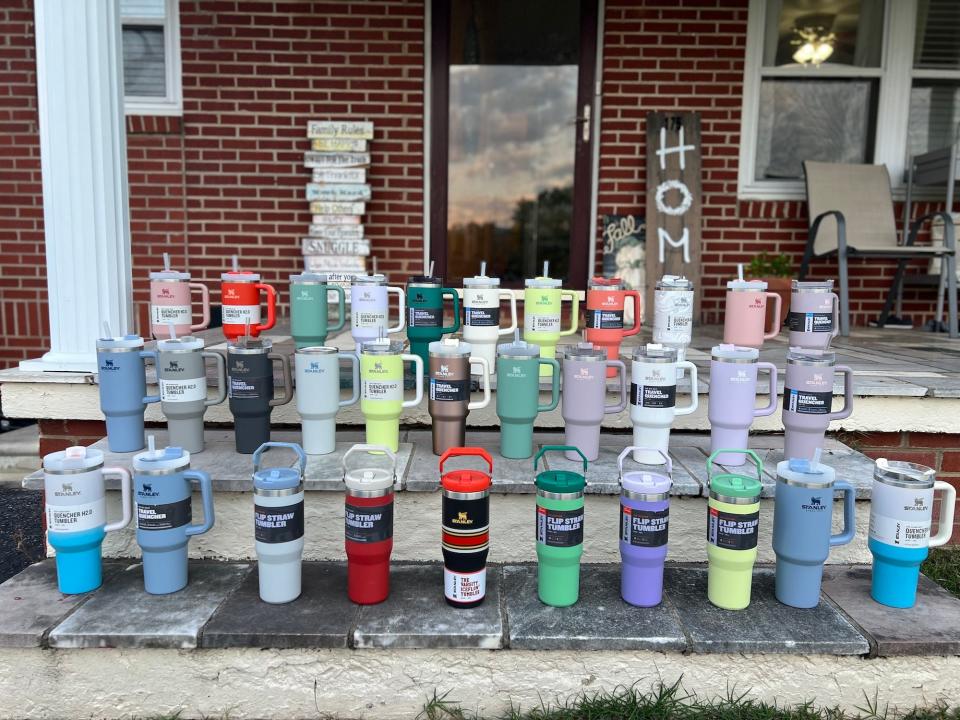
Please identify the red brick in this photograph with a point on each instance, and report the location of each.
(933, 440)
(923, 457)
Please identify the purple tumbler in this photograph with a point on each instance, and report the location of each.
(644, 521)
(808, 400)
(733, 392)
(584, 395)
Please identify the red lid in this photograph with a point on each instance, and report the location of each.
(466, 480)
(602, 281)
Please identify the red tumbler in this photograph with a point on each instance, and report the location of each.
(604, 316)
(240, 303)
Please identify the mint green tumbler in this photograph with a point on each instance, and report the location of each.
(559, 530)
(308, 309)
(518, 395)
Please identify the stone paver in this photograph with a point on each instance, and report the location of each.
(122, 615)
(600, 620)
(322, 617)
(415, 615)
(931, 627)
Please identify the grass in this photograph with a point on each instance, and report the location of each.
(943, 566)
(674, 703)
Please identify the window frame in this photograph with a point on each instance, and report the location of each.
(895, 75)
(172, 103)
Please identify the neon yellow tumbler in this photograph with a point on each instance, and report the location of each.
(381, 389)
(542, 305)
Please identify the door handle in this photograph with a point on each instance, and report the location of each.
(585, 119)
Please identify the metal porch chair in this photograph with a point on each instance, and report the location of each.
(851, 213)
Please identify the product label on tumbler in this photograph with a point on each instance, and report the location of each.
(247, 388)
(672, 316)
(644, 528)
(76, 518)
(559, 528)
(807, 402)
(482, 317)
(653, 396)
(810, 322)
(465, 517)
(368, 524)
(464, 587)
(605, 319)
(383, 390)
(369, 318)
(425, 317)
(183, 390)
(908, 533)
(278, 524)
(239, 314)
(165, 517)
(544, 323)
(176, 314)
(452, 390)
(732, 531)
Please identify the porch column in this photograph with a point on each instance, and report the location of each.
(83, 158)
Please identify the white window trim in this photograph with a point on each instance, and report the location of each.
(893, 104)
(172, 104)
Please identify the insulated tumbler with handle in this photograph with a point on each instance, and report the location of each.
(123, 389)
(901, 511)
(368, 523)
(673, 313)
(240, 303)
(449, 369)
(250, 386)
(732, 396)
(808, 398)
(745, 313)
(814, 317)
(381, 394)
(559, 530)
(425, 295)
(309, 311)
(733, 523)
(542, 304)
(318, 395)
(802, 520)
(183, 389)
(76, 514)
(584, 396)
(481, 314)
(644, 525)
(518, 395)
(278, 524)
(603, 324)
(370, 308)
(164, 496)
(653, 399)
(170, 302)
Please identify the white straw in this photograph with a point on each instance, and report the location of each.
(236, 264)
(374, 264)
(546, 268)
(173, 332)
(152, 445)
(166, 262)
(106, 330)
(483, 269)
(740, 272)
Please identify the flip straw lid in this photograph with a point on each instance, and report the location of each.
(187, 343)
(655, 353)
(646, 482)
(674, 282)
(282, 478)
(746, 285)
(382, 346)
(376, 279)
(116, 343)
(482, 280)
(450, 347)
(903, 474)
(602, 283)
(804, 356)
(518, 349)
(154, 460)
(424, 281)
(169, 275)
(240, 276)
(813, 286)
(734, 353)
(806, 473)
(73, 459)
(246, 345)
(543, 281)
(584, 352)
(309, 279)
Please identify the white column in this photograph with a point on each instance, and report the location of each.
(83, 157)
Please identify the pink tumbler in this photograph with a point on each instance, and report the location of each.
(170, 303)
(745, 315)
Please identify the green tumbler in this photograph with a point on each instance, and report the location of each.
(425, 314)
(308, 309)
(559, 530)
(518, 395)
(733, 521)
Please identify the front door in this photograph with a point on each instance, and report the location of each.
(512, 84)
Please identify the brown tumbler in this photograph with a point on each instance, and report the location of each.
(449, 372)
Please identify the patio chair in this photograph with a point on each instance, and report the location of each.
(851, 213)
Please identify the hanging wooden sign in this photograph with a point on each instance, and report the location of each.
(674, 201)
(340, 128)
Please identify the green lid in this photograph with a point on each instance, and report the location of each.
(735, 485)
(560, 481)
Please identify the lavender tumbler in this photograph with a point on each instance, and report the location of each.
(808, 400)
(584, 393)
(644, 521)
(733, 392)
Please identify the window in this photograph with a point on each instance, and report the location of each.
(151, 57)
(858, 81)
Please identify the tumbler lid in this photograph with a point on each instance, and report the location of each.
(169, 275)
(747, 285)
(733, 353)
(382, 346)
(240, 276)
(187, 343)
(803, 356)
(655, 353)
(318, 350)
(465, 480)
(674, 282)
(170, 458)
(805, 473)
(602, 283)
(116, 343)
(561, 482)
(481, 281)
(282, 478)
(583, 352)
(246, 345)
(450, 347)
(424, 281)
(518, 349)
(542, 282)
(74, 459)
(378, 279)
(308, 278)
(645, 482)
(823, 286)
(734, 485)
(903, 474)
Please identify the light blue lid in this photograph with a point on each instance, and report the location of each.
(276, 479)
(170, 458)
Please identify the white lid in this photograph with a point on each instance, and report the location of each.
(655, 352)
(755, 285)
(240, 276)
(542, 282)
(378, 279)
(369, 479)
(73, 458)
(382, 346)
(170, 458)
(451, 347)
(807, 472)
(674, 282)
(112, 343)
(481, 281)
(518, 349)
(733, 352)
(182, 344)
(169, 275)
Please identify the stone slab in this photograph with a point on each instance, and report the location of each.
(322, 617)
(931, 627)
(765, 626)
(939, 387)
(603, 475)
(600, 620)
(325, 472)
(122, 615)
(31, 603)
(415, 615)
(695, 461)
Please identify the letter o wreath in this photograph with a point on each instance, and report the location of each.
(685, 203)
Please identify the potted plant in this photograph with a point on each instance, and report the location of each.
(777, 272)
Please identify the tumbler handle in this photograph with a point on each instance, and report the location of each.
(771, 407)
(560, 448)
(947, 503)
(204, 305)
(287, 381)
(221, 364)
(152, 355)
(482, 362)
(621, 405)
(341, 306)
(364, 447)
(512, 297)
(749, 453)
(456, 310)
(271, 306)
(401, 308)
(631, 448)
(465, 451)
(574, 311)
(554, 384)
(301, 455)
(206, 497)
(354, 379)
(847, 408)
(849, 509)
(125, 498)
(836, 316)
(775, 330)
(418, 379)
(637, 312)
(694, 389)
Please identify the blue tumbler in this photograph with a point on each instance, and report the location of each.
(165, 515)
(123, 389)
(802, 518)
(76, 511)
